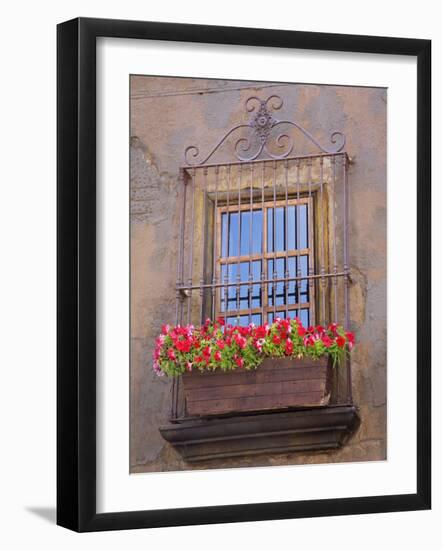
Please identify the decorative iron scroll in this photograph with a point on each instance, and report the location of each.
(262, 128)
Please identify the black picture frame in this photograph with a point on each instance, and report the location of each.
(76, 274)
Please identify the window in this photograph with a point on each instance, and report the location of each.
(262, 250)
(265, 234)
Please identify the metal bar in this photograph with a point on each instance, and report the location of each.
(267, 281)
(298, 234)
(192, 234)
(286, 240)
(312, 286)
(179, 298)
(238, 265)
(346, 266)
(214, 253)
(203, 246)
(335, 265)
(275, 273)
(180, 280)
(226, 278)
(263, 247)
(347, 270)
(263, 161)
(250, 243)
(321, 180)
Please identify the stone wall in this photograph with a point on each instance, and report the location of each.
(167, 115)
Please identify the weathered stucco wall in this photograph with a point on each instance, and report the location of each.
(168, 114)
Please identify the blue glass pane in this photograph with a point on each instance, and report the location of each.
(256, 318)
(224, 235)
(291, 287)
(303, 226)
(245, 234)
(304, 317)
(240, 300)
(242, 321)
(291, 228)
(257, 232)
(256, 289)
(304, 286)
(233, 234)
(270, 230)
(279, 236)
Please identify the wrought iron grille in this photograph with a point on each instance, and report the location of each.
(266, 234)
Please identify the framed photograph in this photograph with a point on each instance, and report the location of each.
(243, 274)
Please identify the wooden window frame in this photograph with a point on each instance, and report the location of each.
(265, 309)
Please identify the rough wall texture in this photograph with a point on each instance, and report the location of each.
(168, 114)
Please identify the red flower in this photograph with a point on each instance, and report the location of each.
(221, 344)
(217, 355)
(283, 334)
(276, 339)
(198, 359)
(171, 354)
(301, 331)
(327, 341)
(221, 321)
(240, 362)
(183, 345)
(261, 331)
(350, 337)
(207, 351)
(340, 340)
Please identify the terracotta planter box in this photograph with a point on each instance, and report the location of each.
(277, 384)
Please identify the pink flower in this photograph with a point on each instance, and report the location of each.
(259, 343)
(309, 341)
(240, 362)
(240, 340)
(350, 339)
(288, 347)
(217, 355)
(157, 369)
(165, 329)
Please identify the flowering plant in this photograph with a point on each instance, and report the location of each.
(216, 345)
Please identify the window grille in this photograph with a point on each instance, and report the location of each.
(266, 234)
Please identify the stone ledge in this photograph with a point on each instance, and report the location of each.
(258, 433)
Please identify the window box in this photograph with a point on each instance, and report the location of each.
(249, 434)
(278, 383)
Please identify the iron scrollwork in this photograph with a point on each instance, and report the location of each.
(262, 131)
